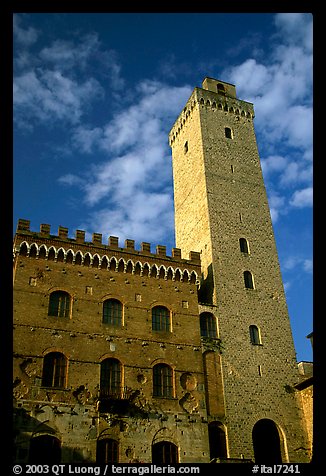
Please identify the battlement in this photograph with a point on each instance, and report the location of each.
(218, 96)
(43, 241)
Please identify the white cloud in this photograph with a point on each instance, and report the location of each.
(273, 163)
(49, 96)
(280, 86)
(292, 263)
(302, 198)
(131, 186)
(295, 27)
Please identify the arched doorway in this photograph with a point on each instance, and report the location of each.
(217, 440)
(266, 442)
(45, 449)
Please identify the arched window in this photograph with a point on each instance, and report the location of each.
(23, 250)
(266, 442)
(164, 452)
(160, 319)
(54, 370)
(44, 449)
(217, 440)
(112, 312)
(107, 451)
(228, 133)
(244, 248)
(110, 379)
(254, 335)
(162, 381)
(59, 304)
(220, 89)
(248, 280)
(208, 325)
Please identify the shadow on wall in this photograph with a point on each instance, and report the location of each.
(206, 290)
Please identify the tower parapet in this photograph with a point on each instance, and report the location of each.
(218, 96)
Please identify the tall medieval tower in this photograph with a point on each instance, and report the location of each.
(221, 211)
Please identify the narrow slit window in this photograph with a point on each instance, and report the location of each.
(186, 147)
(248, 280)
(228, 132)
(254, 335)
(244, 248)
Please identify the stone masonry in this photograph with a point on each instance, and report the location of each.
(227, 357)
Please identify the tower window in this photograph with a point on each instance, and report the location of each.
(254, 335)
(59, 304)
(185, 147)
(220, 89)
(54, 370)
(228, 132)
(244, 248)
(160, 319)
(208, 325)
(112, 312)
(162, 381)
(248, 280)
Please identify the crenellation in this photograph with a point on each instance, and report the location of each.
(63, 232)
(78, 244)
(44, 228)
(213, 101)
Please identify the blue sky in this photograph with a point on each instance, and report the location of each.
(95, 96)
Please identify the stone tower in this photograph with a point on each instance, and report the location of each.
(221, 211)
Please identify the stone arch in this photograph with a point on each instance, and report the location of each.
(42, 254)
(24, 249)
(113, 264)
(61, 255)
(79, 258)
(52, 254)
(70, 256)
(33, 250)
(170, 273)
(268, 442)
(146, 269)
(121, 265)
(129, 266)
(87, 259)
(165, 448)
(193, 277)
(185, 276)
(177, 275)
(104, 262)
(138, 269)
(154, 271)
(162, 272)
(96, 261)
